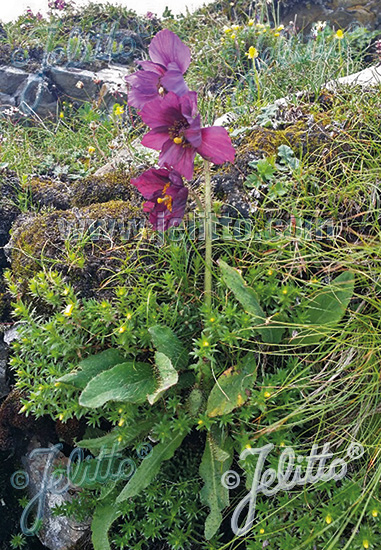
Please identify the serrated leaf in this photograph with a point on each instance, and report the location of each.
(105, 514)
(168, 377)
(91, 366)
(215, 462)
(166, 342)
(230, 390)
(150, 466)
(248, 298)
(127, 382)
(326, 309)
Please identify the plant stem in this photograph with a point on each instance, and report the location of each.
(208, 236)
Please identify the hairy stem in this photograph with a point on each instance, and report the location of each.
(208, 236)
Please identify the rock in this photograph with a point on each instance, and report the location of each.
(340, 13)
(10, 79)
(74, 84)
(9, 186)
(34, 96)
(226, 120)
(57, 532)
(367, 78)
(6, 101)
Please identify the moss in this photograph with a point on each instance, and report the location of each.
(99, 189)
(83, 244)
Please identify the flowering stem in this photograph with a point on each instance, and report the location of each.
(257, 80)
(208, 236)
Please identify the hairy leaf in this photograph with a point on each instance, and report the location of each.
(150, 466)
(215, 462)
(167, 376)
(127, 382)
(91, 366)
(166, 341)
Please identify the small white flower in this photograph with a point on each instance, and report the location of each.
(79, 84)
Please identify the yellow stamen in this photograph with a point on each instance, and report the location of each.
(166, 199)
(178, 140)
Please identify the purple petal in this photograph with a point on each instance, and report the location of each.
(162, 111)
(152, 67)
(188, 105)
(166, 47)
(193, 133)
(151, 183)
(216, 145)
(173, 81)
(156, 138)
(143, 88)
(179, 157)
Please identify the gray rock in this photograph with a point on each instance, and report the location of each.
(10, 79)
(367, 78)
(69, 83)
(57, 532)
(7, 100)
(34, 97)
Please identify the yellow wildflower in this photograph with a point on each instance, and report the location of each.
(118, 110)
(68, 310)
(91, 150)
(250, 22)
(365, 543)
(328, 519)
(339, 34)
(62, 115)
(252, 53)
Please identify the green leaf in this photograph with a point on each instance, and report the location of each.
(91, 366)
(110, 440)
(230, 390)
(127, 382)
(166, 341)
(326, 309)
(248, 298)
(167, 376)
(104, 516)
(215, 462)
(150, 466)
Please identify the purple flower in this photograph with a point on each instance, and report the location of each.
(166, 194)
(170, 59)
(57, 4)
(176, 131)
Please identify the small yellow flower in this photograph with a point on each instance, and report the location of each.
(122, 329)
(233, 36)
(61, 416)
(227, 30)
(365, 543)
(118, 110)
(212, 319)
(68, 310)
(280, 28)
(91, 150)
(222, 40)
(339, 34)
(250, 22)
(121, 422)
(62, 115)
(374, 513)
(205, 344)
(267, 394)
(260, 26)
(270, 272)
(261, 531)
(200, 422)
(120, 411)
(128, 316)
(314, 280)
(276, 34)
(328, 519)
(252, 53)
(281, 444)
(57, 384)
(248, 446)
(120, 439)
(236, 27)
(285, 291)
